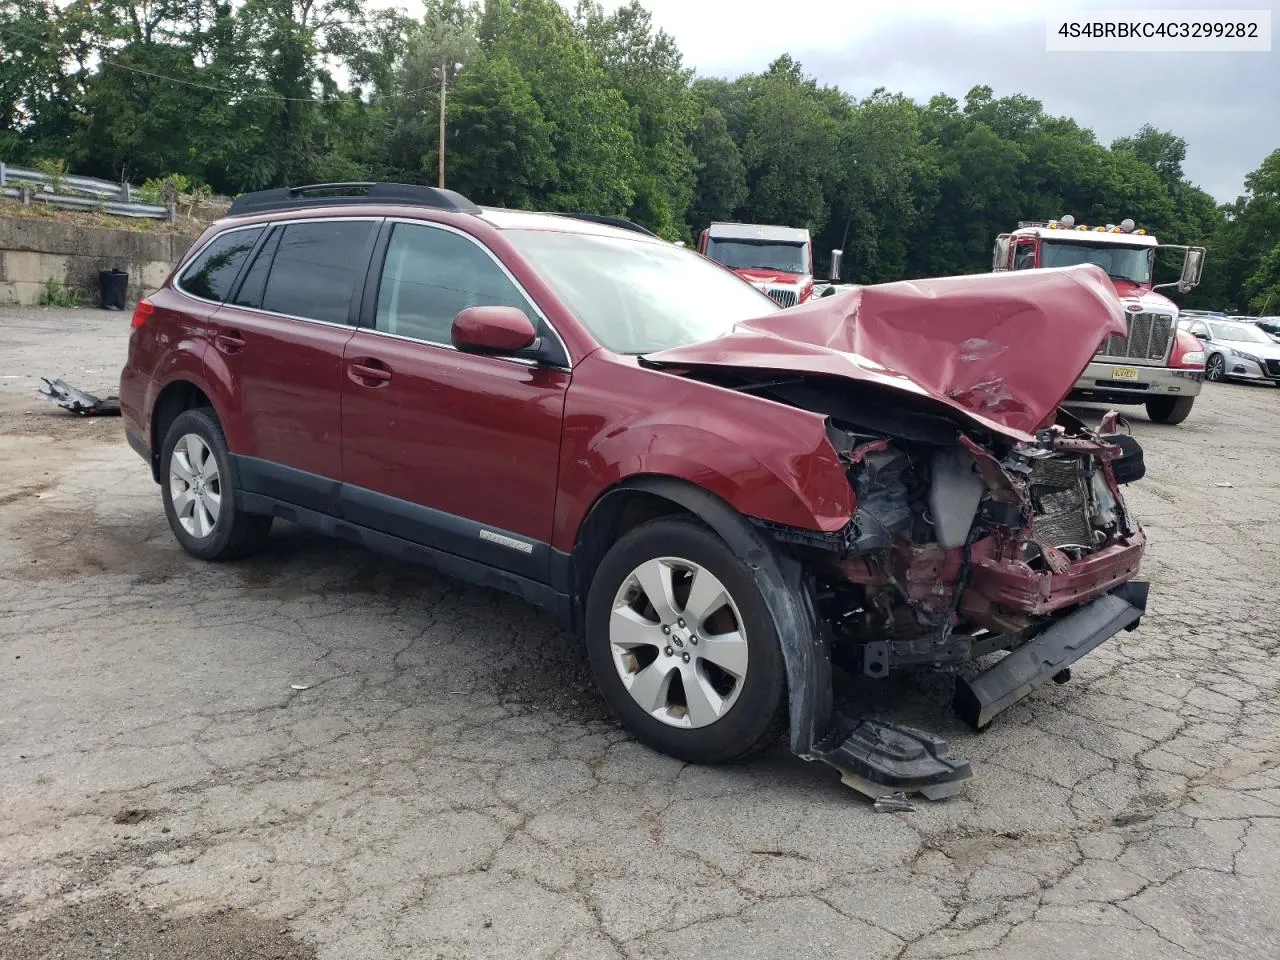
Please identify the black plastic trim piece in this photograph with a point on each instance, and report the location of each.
(980, 699)
(362, 192)
(619, 222)
(489, 545)
(287, 484)
(880, 759)
(412, 522)
(139, 445)
(462, 568)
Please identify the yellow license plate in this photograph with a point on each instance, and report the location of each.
(1124, 373)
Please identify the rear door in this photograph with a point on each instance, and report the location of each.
(279, 340)
(452, 450)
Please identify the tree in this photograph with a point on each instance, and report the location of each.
(500, 141)
(721, 178)
(1158, 149)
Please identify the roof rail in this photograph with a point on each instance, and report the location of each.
(341, 194)
(608, 221)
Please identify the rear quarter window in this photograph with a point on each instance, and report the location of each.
(213, 271)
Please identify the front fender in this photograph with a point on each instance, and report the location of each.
(764, 459)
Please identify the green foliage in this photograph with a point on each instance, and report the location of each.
(589, 111)
(55, 294)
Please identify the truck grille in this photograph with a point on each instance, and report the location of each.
(1150, 335)
(1059, 499)
(783, 296)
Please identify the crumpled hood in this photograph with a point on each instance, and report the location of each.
(1003, 349)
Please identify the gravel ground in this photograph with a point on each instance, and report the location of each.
(320, 752)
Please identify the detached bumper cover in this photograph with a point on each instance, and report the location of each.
(979, 699)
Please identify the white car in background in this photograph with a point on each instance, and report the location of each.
(1235, 350)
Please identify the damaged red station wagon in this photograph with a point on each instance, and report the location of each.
(722, 497)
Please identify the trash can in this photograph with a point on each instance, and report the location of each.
(113, 287)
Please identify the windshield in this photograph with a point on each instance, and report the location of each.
(760, 255)
(1121, 263)
(637, 296)
(1238, 333)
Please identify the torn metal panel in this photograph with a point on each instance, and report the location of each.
(77, 401)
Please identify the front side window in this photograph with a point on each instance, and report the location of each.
(430, 275)
(1120, 263)
(1024, 257)
(214, 270)
(759, 255)
(316, 268)
(639, 296)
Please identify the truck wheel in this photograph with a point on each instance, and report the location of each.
(197, 484)
(682, 644)
(1169, 409)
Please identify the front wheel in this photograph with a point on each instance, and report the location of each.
(1216, 368)
(1169, 409)
(682, 644)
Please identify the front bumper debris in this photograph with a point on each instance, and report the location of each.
(77, 401)
(882, 759)
(979, 699)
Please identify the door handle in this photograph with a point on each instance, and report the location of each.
(369, 373)
(230, 342)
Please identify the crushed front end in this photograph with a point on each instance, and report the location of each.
(962, 549)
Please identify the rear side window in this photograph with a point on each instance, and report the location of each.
(315, 269)
(255, 280)
(213, 272)
(430, 275)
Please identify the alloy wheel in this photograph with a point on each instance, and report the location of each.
(195, 485)
(1216, 368)
(678, 642)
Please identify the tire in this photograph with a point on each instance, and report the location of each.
(1216, 368)
(194, 495)
(1169, 410)
(738, 707)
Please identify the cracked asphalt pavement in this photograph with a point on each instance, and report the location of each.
(322, 753)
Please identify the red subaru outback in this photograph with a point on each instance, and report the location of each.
(720, 496)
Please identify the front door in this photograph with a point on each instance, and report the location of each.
(455, 451)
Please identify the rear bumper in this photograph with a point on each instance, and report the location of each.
(979, 699)
(1100, 382)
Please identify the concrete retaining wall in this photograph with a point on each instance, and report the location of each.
(33, 251)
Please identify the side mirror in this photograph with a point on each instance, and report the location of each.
(493, 331)
(1000, 255)
(1201, 336)
(1192, 265)
(836, 257)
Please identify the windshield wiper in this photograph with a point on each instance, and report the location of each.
(1117, 276)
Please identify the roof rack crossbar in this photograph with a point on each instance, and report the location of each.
(344, 194)
(609, 221)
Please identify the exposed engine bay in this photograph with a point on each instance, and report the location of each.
(964, 542)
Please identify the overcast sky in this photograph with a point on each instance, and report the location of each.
(1226, 106)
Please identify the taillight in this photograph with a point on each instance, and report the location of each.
(143, 310)
(1188, 352)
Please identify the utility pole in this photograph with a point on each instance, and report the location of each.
(444, 72)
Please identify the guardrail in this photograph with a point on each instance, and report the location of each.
(104, 196)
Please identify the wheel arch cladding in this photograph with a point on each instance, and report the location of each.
(174, 397)
(782, 582)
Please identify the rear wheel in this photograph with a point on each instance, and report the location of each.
(1169, 409)
(198, 486)
(682, 644)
